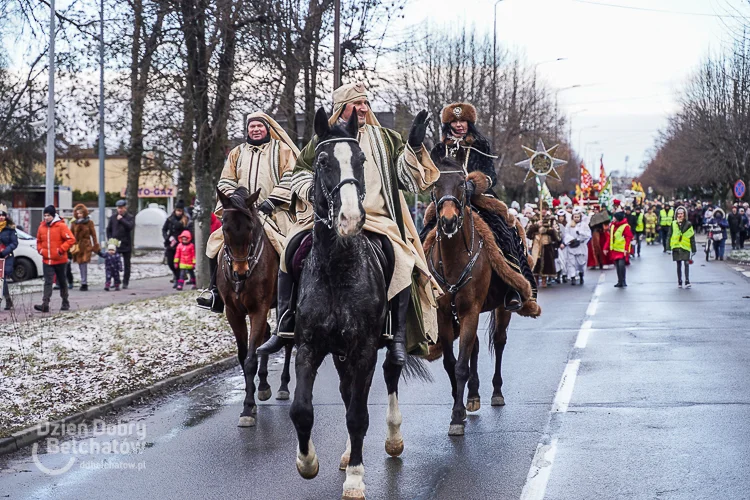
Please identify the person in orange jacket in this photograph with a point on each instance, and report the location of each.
(53, 240)
(617, 245)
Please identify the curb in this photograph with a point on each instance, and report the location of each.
(30, 435)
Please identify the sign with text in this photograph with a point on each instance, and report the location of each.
(739, 189)
(153, 192)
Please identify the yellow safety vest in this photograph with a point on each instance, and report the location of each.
(616, 238)
(665, 219)
(680, 239)
(639, 224)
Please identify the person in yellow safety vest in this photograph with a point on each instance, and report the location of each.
(617, 245)
(682, 243)
(665, 223)
(635, 220)
(651, 219)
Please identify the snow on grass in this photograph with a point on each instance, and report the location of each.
(60, 365)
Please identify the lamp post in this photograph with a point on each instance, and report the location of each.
(581, 131)
(49, 190)
(494, 75)
(336, 44)
(102, 200)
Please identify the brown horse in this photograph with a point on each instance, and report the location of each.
(246, 280)
(464, 258)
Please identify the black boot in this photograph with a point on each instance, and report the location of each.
(285, 303)
(512, 300)
(399, 309)
(213, 301)
(65, 305)
(8, 303)
(581, 276)
(42, 308)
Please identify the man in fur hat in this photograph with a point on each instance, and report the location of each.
(462, 141)
(390, 166)
(264, 161)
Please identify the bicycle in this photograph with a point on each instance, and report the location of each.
(709, 242)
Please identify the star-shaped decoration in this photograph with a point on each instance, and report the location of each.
(541, 163)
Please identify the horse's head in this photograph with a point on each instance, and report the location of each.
(449, 196)
(339, 176)
(238, 221)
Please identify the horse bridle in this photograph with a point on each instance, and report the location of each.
(254, 251)
(466, 276)
(449, 197)
(330, 195)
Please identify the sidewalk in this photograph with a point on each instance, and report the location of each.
(95, 298)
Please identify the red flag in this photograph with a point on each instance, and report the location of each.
(602, 173)
(587, 181)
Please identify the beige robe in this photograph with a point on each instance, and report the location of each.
(418, 173)
(269, 168)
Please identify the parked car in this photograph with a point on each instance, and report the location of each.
(28, 262)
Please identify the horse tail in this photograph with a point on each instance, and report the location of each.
(491, 328)
(416, 368)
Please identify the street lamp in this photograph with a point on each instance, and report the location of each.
(49, 189)
(570, 124)
(581, 131)
(494, 75)
(102, 199)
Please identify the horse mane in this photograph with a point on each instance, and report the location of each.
(238, 200)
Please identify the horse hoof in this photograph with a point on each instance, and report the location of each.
(282, 395)
(308, 471)
(246, 421)
(456, 430)
(498, 401)
(344, 463)
(473, 405)
(394, 448)
(353, 495)
(265, 395)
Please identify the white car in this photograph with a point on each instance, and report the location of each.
(28, 262)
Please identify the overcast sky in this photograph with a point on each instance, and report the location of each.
(630, 64)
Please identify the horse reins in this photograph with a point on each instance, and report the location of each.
(466, 276)
(329, 195)
(254, 251)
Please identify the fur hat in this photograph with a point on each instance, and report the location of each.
(459, 111)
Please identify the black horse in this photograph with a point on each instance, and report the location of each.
(342, 306)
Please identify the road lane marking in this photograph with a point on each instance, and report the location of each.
(544, 457)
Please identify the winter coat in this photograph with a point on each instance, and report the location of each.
(734, 220)
(84, 232)
(173, 227)
(215, 222)
(112, 262)
(184, 257)
(474, 154)
(53, 241)
(121, 230)
(680, 254)
(627, 234)
(8, 243)
(579, 232)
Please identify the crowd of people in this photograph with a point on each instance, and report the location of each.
(568, 237)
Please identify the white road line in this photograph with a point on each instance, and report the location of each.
(544, 458)
(583, 335)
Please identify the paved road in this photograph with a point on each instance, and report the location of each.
(636, 393)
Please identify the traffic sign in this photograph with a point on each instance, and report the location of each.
(739, 189)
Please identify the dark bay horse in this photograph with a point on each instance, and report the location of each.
(458, 256)
(342, 305)
(246, 280)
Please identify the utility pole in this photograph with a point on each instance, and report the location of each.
(336, 44)
(493, 104)
(49, 191)
(101, 123)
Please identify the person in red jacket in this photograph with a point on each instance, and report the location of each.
(617, 245)
(184, 260)
(53, 240)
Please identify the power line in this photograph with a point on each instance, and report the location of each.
(662, 11)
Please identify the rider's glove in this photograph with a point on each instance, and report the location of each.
(418, 130)
(267, 207)
(470, 188)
